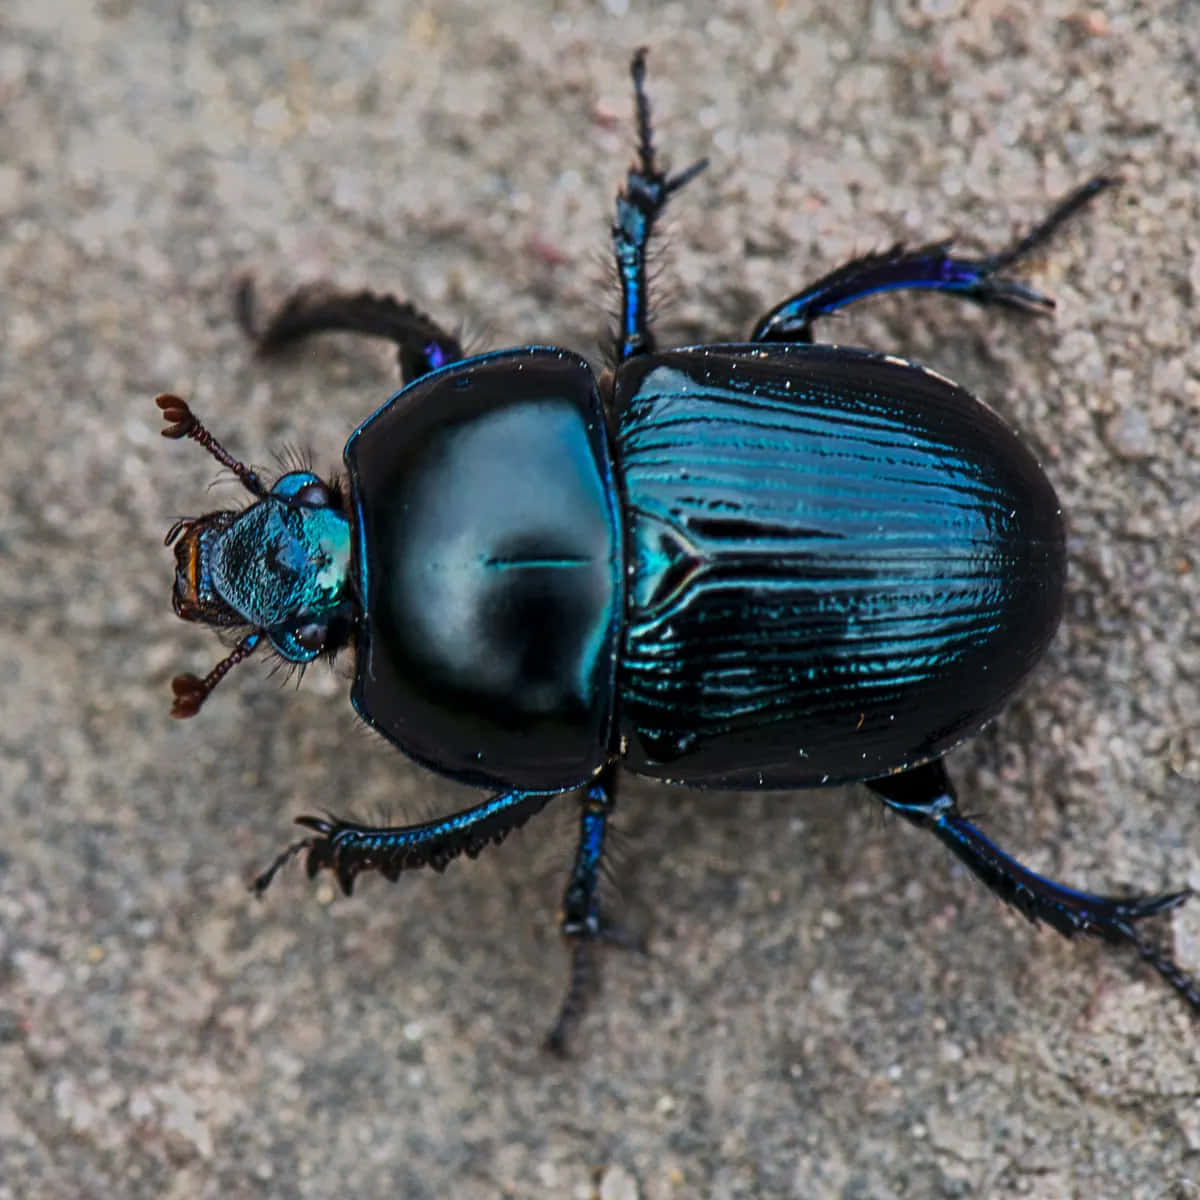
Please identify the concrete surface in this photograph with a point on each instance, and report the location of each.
(831, 1008)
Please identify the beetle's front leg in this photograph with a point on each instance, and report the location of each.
(933, 267)
(925, 796)
(583, 924)
(348, 849)
(422, 344)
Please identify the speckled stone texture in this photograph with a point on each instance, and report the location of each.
(830, 1006)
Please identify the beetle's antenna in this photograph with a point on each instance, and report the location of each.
(185, 424)
(191, 691)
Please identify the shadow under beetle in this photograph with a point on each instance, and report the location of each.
(770, 564)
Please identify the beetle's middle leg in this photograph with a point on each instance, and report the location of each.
(348, 849)
(583, 923)
(925, 796)
(981, 280)
(639, 204)
(422, 344)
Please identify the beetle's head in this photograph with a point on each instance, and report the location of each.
(279, 569)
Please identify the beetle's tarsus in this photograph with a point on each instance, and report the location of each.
(263, 879)
(582, 985)
(1045, 229)
(649, 187)
(1166, 967)
(1012, 293)
(992, 288)
(583, 980)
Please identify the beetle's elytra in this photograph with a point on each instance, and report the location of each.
(771, 564)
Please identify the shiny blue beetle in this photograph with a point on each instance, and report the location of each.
(770, 564)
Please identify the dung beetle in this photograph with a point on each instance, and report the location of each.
(762, 564)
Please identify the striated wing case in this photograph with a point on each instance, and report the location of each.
(839, 563)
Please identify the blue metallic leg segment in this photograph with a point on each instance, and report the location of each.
(925, 796)
(423, 345)
(347, 848)
(582, 922)
(932, 266)
(639, 204)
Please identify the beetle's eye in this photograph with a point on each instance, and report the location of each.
(311, 637)
(314, 494)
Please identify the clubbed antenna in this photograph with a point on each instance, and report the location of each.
(191, 691)
(185, 424)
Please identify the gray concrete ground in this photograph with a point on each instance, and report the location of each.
(831, 1007)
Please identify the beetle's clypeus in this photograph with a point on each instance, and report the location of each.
(769, 564)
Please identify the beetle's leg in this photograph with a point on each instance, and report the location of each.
(582, 922)
(639, 204)
(348, 849)
(423, 345)
(925, 796)
(932, 266)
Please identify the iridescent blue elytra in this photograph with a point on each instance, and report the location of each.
(827, 564)
(767, 564)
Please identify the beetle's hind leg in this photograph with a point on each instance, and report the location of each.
(925, 796)
(422, 344)
(981, 280)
